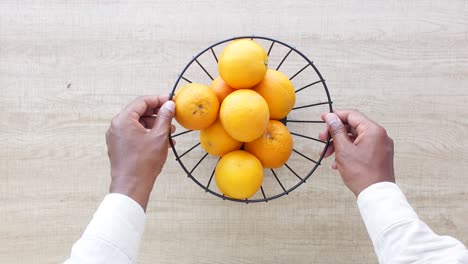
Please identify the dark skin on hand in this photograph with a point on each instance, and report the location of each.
(138, 140)
(363, 150)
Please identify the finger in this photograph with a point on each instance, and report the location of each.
(147, 121)
(173, 143)
(162, 99)
(323, 135)
(334, 165)
(144, 106)
(323, 115)
(329, 152)
(337, 131)
(351, 130)
(356, 120)
(162, 125)
(153, 111)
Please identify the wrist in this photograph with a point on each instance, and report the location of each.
(132, 187)
(367, 185)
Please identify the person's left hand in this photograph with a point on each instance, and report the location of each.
(137, 143)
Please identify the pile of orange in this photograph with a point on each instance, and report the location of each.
(238, 117)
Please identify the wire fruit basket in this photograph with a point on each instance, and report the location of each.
(303, 122)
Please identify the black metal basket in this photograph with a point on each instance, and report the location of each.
(297, 172)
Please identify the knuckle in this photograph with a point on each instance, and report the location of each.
(115, 122)
(379, 130)
(165, 115)
(162, 134)
(337, 128)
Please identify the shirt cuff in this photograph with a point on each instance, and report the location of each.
(382, 205)
(120, 221)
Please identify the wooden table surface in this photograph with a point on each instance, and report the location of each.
(66, 67)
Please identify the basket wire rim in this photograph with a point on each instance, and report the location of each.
(304, 179)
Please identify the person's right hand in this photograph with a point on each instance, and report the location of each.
(137, 142)
(363, 150)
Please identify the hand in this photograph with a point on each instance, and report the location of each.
(363, 150)
(137, 144)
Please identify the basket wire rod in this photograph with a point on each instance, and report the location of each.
(279, 182)
(190, 149)
(291, 170)
(181, 133)
(310, 105)
(214, 55)
(308, 85)
(198, 163)
(305, 156)
(185, 79)
(303, 68)
(311, 138)
(273, 42)
(306, 121)
(263, 193)
(209, 181)
(203, 68)
(271, 46)
(281, 63)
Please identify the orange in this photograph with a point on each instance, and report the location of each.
(239, 174)
(216, 141)
(220, 88)
(278, 92)
(244, 115)
(196, 106)
(243, 63)
(274, 147)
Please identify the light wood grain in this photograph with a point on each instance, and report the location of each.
(66, 67)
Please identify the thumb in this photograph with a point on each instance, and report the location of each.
(162, 125)
(337, 130)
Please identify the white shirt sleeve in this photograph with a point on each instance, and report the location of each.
(396, 231)
(114, 233)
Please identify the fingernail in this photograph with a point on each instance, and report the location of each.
(330, 118)
(170, 105)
